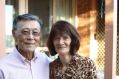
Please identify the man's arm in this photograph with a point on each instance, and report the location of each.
(2, 74)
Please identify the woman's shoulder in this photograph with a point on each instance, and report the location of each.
(83, 60)
(55, 62)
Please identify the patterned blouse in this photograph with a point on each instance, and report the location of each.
(78, 68)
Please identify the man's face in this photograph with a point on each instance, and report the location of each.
(27, 35)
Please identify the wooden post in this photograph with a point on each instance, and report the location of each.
(110, 39)
(23, 6)
(2, 27)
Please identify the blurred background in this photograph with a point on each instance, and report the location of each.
(93, 19)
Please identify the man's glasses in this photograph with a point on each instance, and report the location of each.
(27, 32)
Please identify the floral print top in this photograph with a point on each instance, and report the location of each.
(78, 68)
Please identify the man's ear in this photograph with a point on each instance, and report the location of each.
(13, 33)
(14, 36)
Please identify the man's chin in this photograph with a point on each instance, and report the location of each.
(30, 49)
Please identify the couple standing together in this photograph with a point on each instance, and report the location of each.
(25, 62)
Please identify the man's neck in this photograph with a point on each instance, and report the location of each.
(27, 54)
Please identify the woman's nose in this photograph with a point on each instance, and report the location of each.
(61, 41)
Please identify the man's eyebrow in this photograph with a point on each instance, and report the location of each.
(31, 28)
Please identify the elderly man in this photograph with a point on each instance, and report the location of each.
(24, 61)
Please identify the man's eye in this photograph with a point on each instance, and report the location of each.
(25, 32)
(36, 33)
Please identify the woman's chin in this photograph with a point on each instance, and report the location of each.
(62, 53)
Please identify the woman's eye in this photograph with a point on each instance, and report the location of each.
(65, 37)
(56, 38)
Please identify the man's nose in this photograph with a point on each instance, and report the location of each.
(30, 36)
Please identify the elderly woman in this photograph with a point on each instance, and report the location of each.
(64, 40)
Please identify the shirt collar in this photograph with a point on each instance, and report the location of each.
(22, 58)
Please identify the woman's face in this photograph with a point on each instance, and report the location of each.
(62, 44)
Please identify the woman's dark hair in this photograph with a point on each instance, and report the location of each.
(59, 28)
(26, 17)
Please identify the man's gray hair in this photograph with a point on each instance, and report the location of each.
(26, 17)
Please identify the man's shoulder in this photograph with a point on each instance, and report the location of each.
(42, 56)
(7, 58)
(3, 61)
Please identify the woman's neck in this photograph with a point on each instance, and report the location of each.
(65, 59)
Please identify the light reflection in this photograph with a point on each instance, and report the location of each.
(93, 48)
(62, 18)
(76, 21)
(109, 17)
